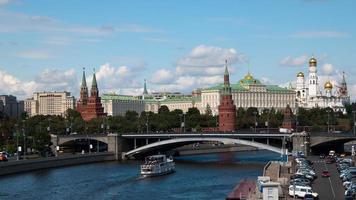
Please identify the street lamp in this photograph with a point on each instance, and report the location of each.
(255, 113)
(267, 122)
(146, 122)
(328, 111)
(354, 111)
(182, 123)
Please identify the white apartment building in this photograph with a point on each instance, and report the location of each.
(49, 103)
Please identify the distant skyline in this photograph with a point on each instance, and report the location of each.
(175, 45)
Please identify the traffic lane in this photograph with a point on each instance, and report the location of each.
(327, 188)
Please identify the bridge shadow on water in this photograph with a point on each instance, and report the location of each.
(230, 159)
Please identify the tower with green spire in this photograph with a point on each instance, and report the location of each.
(83, 99)
(90, 107)
(227, 108)
(94, 87)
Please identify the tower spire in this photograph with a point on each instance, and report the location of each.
(227, 88)
(84, 81)
(226, 70)
(145, 88)
(94, 86)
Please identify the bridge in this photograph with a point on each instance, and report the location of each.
(135, 145)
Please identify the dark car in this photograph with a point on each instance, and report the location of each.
(322, 156)
(325, 173)
(308, 197)
(3, 157)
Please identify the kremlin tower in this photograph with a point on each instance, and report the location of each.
(227, 109)
(90, 107)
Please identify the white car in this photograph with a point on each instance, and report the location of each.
(301, 191)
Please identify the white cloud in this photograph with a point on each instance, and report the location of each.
(118, 78)
(320, 34)
(294, 61)
(48, 80)
(35, 54)
(5, 2)
(208, 60)
(162, 76)
(19, 22)
(327, 68)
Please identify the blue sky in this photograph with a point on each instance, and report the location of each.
(175, 45)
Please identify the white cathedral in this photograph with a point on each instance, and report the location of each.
(308, 94)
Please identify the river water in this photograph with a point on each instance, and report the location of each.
(197, 177)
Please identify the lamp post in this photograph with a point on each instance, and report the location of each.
(24, 142)
(18, 149)
(328, 111)
(354, 112)
(146, 122)
(255, 113)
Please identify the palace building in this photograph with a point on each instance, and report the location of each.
(249, 92)
(309, 94)
(90, 107)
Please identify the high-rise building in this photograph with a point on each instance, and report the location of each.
(10, 106)
(227, 108)
(49, 103)
(90, 107)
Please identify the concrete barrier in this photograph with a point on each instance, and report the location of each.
(51, 162)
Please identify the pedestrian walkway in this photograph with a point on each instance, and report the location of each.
(242, 190)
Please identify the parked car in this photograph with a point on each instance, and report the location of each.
(308, 197)
(322, 156)
(301, 191)
(3, 157)
(325, 174)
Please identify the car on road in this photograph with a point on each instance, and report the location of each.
(322, 156)
(325, 173)
(309, 197)
(301, 191)
(3, 157)
(329, 160)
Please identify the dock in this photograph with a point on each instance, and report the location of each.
(243, 190)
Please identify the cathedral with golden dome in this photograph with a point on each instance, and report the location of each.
(310, 95)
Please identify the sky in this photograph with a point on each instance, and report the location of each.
(177, 46)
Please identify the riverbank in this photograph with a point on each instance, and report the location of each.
(275, 174)
(13, 167)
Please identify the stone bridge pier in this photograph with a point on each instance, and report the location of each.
(301, 142)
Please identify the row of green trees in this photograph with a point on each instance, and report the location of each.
(35, 131)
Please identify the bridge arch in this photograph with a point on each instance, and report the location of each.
(176, 142)
(65, 139)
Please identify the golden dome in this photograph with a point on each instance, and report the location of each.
(312, 61)
(248, 76)
(328, 85)
(300, 74)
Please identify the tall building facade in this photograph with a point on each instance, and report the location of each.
(227, 109)
(90, 107)
(49, 103)
(310, 95)
(115, 104)
(10, 106)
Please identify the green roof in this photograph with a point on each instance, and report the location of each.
(242, 87)
(118, 97)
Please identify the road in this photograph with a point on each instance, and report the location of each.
(328, 188)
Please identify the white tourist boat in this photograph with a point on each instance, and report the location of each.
(157, 165)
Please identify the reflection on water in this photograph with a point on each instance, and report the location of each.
(196, 177)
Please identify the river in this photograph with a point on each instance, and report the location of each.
(196, 177)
